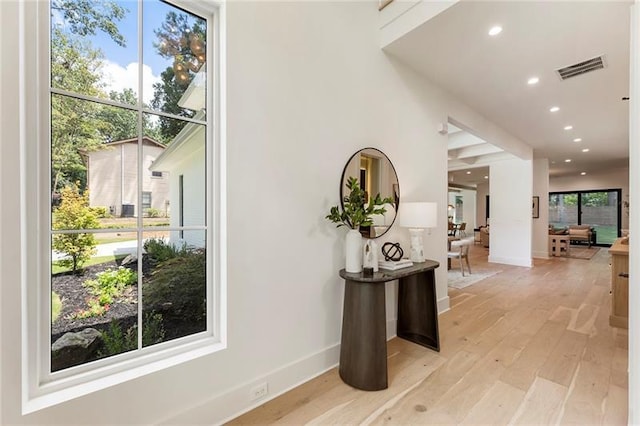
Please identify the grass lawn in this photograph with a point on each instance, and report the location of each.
(56, 306)
(606, 234)
(56, 268)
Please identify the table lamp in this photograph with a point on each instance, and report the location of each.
(418, 217)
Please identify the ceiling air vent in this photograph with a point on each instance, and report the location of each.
(580, 68)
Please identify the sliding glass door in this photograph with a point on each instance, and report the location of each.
(600, 209)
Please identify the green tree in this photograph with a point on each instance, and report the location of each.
(166, 95)
(116, 123)
(74, 214)
(75, 67)
(595, 199)
(182, 39)
(86, 17)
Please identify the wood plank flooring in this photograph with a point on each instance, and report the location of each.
(525, 346)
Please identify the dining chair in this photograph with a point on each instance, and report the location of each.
(460, 250)
(461, 229)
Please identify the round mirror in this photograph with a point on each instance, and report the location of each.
(373, 169)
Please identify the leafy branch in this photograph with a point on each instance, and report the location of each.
(356, 212)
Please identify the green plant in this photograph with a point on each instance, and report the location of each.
(152, 212)
(101, 212)
(116, 341)
(74, 213)
(177, 287)
(110, 284)
(95, 309)
(354, 213)
(161, 251)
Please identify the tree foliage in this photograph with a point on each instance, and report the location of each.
(75, 67)
(74, 213)
(182, 39)
(87, 17)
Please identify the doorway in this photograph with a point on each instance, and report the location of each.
(599, 208)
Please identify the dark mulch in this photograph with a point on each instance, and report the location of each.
(74, 298)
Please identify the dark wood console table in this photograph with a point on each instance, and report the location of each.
(363, 350)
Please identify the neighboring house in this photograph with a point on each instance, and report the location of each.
(184, 163)
(112, 177)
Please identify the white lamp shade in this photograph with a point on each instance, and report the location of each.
(418, 215)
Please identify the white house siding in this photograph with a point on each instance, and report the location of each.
(109, 168)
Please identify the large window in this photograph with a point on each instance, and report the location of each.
(125, 279)
(601, 209)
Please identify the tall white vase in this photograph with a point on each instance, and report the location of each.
(353, 249)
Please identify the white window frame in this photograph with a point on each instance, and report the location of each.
(40, 387)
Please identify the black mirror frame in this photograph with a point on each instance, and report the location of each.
(365, 230)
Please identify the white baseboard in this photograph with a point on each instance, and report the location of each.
(230, 404)
(515, 261)
(443, 305)
(540, 255)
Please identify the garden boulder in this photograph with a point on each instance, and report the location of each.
(75, 348)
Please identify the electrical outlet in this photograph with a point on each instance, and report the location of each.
(259, 391)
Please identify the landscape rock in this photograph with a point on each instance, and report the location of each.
(130, 259)
(75, 348)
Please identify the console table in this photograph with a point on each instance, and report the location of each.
(363, 349)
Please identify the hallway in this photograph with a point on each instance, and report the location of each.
(524, 346)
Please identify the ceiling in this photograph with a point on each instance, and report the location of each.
(490, 74)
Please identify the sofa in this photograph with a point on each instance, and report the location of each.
(580, 233)
(484, 236)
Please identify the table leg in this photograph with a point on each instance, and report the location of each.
(418, 310)
(363, 350)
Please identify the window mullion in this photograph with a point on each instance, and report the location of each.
(140, 163)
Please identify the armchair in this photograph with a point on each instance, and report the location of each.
(580, 233)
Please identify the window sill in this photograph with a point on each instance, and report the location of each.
(60, 391)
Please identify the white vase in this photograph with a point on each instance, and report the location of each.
(353, 251)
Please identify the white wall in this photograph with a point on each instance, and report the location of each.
(510, 206)
(303, 78)
(540, 227)
(604, 179)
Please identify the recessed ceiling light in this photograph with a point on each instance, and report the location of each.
(585, 150)
(554, 109)
(468, 173)
(533, 80)
(568, 127)
(577, 140)
(583, 173)
(568, 160)
(486, 177)
(494, 31)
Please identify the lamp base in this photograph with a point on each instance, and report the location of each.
(417, 250)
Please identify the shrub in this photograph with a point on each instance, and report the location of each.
(177, 287)
(151, 212)
(110, 284)
(115, 341)
(159, 250)
(74, 213)
(105, 288)
(95, 309)
(101, 212)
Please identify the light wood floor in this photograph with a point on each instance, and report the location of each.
(525, 346)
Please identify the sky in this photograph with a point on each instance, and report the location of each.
(121, 63)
